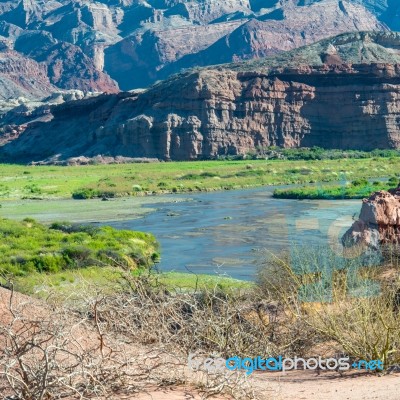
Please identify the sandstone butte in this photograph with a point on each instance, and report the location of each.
(207, 113)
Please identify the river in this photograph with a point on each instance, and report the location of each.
(231, 232)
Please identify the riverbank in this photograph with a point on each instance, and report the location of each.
(197, 234)
(357, 189)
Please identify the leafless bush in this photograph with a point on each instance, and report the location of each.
(208, 320)
(52, 354)
(101, 348)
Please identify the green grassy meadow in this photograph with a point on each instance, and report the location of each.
(91, 181)
(358, 189)
(70, 284)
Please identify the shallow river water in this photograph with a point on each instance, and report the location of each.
(231, 232)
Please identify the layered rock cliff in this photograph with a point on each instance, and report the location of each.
(349, 97)
(210, 113)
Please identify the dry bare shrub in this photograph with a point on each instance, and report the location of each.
(49, 353)
(210, 321)
(215, 322)
(107, 345)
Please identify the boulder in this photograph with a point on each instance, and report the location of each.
(378, 223)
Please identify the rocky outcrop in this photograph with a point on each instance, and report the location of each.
(348, 98)
(378, 223)
(67, 65)
(22, 76)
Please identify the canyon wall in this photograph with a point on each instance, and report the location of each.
(210, 113)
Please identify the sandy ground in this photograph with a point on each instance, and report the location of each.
(306, 386)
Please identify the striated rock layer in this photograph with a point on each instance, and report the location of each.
(209, 113)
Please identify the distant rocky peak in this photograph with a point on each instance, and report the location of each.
(137, 42)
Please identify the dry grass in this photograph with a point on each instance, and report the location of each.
(362, 323)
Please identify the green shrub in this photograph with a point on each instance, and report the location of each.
(190, 176)
(48, 262)
(108, 194)
(360, 182)
(84, 193)
(33, 189)
(28, 246)
(71, 228)
(78, 256)
(393, 181)
(208, 174)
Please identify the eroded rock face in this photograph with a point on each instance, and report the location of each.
(22, 76)
(210, 113)
(378, 223)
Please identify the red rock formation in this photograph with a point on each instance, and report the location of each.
(222, 112)
(379, 221)
(22, 76)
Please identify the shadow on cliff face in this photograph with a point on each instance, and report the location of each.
(68, 130)
(391, 15)
(346, 114)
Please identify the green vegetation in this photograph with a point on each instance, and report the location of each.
(318, 153)
(110, 181)
(358, 189)
(69, 284)
(72, 283)
(68, 259)
(189, 281)
(27, 247)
